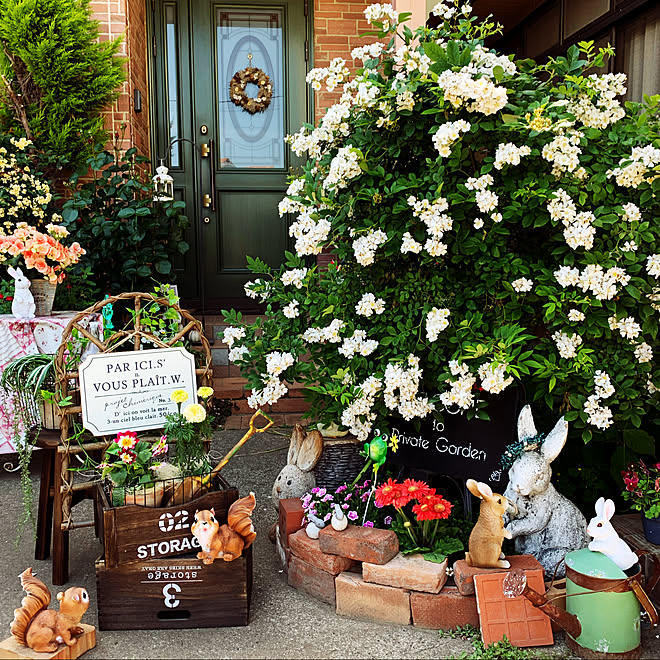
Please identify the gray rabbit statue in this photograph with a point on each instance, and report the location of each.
(22, 307)
(546, 525)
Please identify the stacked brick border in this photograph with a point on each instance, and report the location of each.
(339, 581)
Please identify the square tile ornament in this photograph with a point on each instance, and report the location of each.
(517, 618)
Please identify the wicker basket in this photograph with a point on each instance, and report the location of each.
(340, 462)
(43, 293)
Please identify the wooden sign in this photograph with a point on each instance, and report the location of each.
(131, 391)
(458, 447)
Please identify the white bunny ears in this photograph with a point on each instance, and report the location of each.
(604, 508)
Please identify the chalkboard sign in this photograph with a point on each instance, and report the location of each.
(458, 447)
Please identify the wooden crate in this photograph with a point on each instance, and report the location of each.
(134, 533)
(178, 592)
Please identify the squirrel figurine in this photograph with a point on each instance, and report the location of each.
(41, 629)
(226, 541)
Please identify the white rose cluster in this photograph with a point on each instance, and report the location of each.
(295, 276)
(599, 107)
(564, 153)
(508, 153)
(343, 167)
(483, 62)
(437, 222)
(567, 344)
(631, 171)
(291, 311)
(310, 234)
(459, 87)
(653, 265)
(334, 75)
(631, 213)
(576, 315)
(460, 392)
(448, 134)
(358, 344)
(493, 377)
(407, 60)
(328, 334)
(409, 244)
(628, 328)
(274, 389)
(522, 285)
(369, 305)
(602, 283)
(643, 352)
(578, 228)
(401, 387)
(437, 320)
(232, 334)
(600, 416)
(368, 52)
(359, 416)
(365, 246)
(382, 13)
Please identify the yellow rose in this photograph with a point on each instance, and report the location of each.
(205, 392)
(179, 396)
(194, 413)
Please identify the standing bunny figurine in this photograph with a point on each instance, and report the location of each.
(297, 476)
(485, 543)
(22, 307)
(606, 540)
(546, 525)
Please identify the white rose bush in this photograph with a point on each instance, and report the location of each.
(493, 225)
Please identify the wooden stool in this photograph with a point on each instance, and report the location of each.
(50, 504)
(47, 441)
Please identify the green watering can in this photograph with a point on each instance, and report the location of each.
(602, 605)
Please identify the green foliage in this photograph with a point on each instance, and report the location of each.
(502, 217)
(6, 296)
(502, 650)
(131, 240)
(78, 291)
(60, 76)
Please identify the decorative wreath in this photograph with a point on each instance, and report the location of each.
(238, 95)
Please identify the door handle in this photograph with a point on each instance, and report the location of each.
(210, 200)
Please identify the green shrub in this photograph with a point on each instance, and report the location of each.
(59, 77)
(131, 240)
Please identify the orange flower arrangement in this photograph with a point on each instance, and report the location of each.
(428, 506)
(43, 252)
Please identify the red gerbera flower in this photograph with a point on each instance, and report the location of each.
(432, 509)
(416, 489)
(385, 493)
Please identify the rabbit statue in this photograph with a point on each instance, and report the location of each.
(546, 524)
(606, 540)
(485, 542)
(297, 477)
(22, 307)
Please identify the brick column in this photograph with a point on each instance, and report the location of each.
(127, 18)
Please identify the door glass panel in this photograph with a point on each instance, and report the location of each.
(172, 76)
(250, 38)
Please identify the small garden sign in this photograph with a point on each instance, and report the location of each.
(457, 446)
(132, 390)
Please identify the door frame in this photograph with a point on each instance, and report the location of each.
(159, 142)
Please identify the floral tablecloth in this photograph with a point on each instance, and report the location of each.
(18, 337)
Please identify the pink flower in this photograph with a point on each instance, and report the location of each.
(352, 515)
(368, 523)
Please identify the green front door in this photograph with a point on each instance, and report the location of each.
(234, 174)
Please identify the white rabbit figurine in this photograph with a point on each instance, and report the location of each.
(546, 525)
(297, 476)
(606, 540)
(22, 307)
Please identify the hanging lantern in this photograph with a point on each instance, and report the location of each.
(163, 185)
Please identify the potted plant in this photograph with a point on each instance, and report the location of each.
(492, 225)
(642, 492)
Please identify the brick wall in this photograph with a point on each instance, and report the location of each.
(337, 24)
(127, 18)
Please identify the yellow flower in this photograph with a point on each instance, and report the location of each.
(194, 413)
(394, 442)
(205, 392)
(179, 396)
